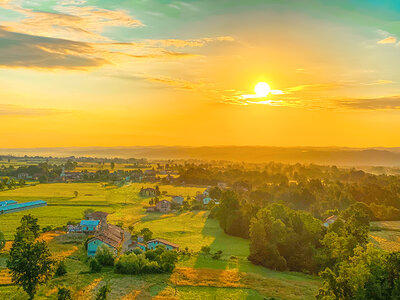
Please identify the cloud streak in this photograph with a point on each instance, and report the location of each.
(388, 40)
(15, 110)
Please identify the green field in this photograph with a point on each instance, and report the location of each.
(386, 235)
(196, 277)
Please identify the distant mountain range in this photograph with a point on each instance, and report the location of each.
(389, 157)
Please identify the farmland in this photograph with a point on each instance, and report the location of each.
(196, 277)
(386, 235)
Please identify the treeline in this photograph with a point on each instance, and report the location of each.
(282, 239)
(316, 189)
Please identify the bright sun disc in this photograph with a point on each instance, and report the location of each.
(262, 89)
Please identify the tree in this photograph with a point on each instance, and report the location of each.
(103, 292)
(94, 265)
(112, 165)
(206, 250)
(76, 194)
(64, 294)
(105, 256)
(29, 228)
(2, 240)
(30, 261)
(146, 233)
(61, 269)
(87, 212)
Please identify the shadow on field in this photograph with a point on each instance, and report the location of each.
(211, 229)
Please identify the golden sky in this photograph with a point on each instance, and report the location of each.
(158, 72)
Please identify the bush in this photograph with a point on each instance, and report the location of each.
(47, 228)
(217, 255)
(135, 264)
(64, 294)
(103, 292)
(61, 269)
(94, 265)
(205, 249)
(105, 256)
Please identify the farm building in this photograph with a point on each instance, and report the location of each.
(152, 244)
(90, 225)
(163, 206)
(330, 220)
(113, 237)
(207, 200)
(100, 216)
(21, 206)
(7, 202)
(178, 199)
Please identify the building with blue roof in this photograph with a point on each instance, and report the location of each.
(7, 202)
(90, 225)
(6, 209)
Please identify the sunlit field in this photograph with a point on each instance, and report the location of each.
(386, 235)
(195, 277)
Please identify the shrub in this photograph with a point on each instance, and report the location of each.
(135, 264)
(105, 256)
(217, 255)
(61, 269)
(47, 228)
(206, 249)
(103, 292)
(94, 265)
(64, 294)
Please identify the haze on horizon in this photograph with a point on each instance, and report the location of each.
(155, 72)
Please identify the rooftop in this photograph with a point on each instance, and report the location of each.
(90, 222)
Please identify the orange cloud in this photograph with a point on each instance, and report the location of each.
(388, 40)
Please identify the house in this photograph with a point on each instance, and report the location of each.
(330, 220)
(163, 206)
(152, 244)
(112, 237)
(100, 216)
(207, 200)
(89, 226)
(178, 199)
(23, 176)
(139, 245)
(148, 192)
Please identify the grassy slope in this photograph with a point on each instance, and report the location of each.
(232, 277)
(388, 237)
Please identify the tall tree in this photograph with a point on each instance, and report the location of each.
(30, 260)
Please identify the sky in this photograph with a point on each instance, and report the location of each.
(158, 72)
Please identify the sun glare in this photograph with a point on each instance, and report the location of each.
(262, 89)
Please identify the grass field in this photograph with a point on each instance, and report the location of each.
(386, 235)
(196, 277)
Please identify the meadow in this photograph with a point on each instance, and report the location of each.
(197, 276)
(386, 235)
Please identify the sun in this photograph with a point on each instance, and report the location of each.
(262, 89)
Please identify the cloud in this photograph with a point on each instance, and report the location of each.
(188, 43)
(15, 110)
(388, 40)
(70, 20)
(28, 51)
(382, 103)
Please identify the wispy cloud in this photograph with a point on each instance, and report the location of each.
(381, 103)
(70, 20)
(27, 51)
(15, 110)
(388, 40)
